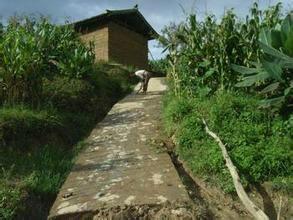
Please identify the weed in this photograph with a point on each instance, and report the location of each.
(258, 153)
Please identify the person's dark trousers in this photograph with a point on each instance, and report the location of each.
(145, 85)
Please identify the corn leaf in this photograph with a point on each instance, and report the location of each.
(277, 102)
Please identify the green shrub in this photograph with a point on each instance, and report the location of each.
(66, 94)
(119, 80)
(160, 67)
(19, 125)
(260, 146)
(283, 184)
(176, 109)
(265, 160)
(22, 62)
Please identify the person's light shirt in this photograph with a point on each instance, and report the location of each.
(142, 74)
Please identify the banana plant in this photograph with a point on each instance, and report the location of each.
(274, 72)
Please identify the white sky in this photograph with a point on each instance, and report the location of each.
(157, 12)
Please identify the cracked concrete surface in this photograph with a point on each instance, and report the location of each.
(119, 166)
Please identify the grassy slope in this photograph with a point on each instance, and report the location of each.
(260, 146)
(39, 146)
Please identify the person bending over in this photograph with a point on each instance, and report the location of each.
(144, 77)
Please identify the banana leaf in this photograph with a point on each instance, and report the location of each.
(250, 80)
(204, 63)
(273, 69)
(210, 72)
(256, 64)
(265, 37)
(286, 64)
(288, 44)
(274, 52)
(287, 27)
(287, 91)
(277, 102)
(271, 88)
(276, 39)
(244, 70)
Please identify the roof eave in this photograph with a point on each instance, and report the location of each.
(83, 24)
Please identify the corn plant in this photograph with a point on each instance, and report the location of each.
(21, 62)
(274, 73)
(31, 50)
(64, 52)
(170, 40)
(201, 52)
(77, 63)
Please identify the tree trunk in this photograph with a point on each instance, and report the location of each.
(250, 206)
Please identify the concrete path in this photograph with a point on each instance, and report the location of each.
(121, 174)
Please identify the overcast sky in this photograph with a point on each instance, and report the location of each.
(157, 12)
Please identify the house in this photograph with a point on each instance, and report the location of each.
(119, 35)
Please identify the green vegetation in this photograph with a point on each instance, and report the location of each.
(159, 66)
(276, 67)
(205, 59)
(52, 94)
(35, 177)
(31, 51)
(259, 145)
